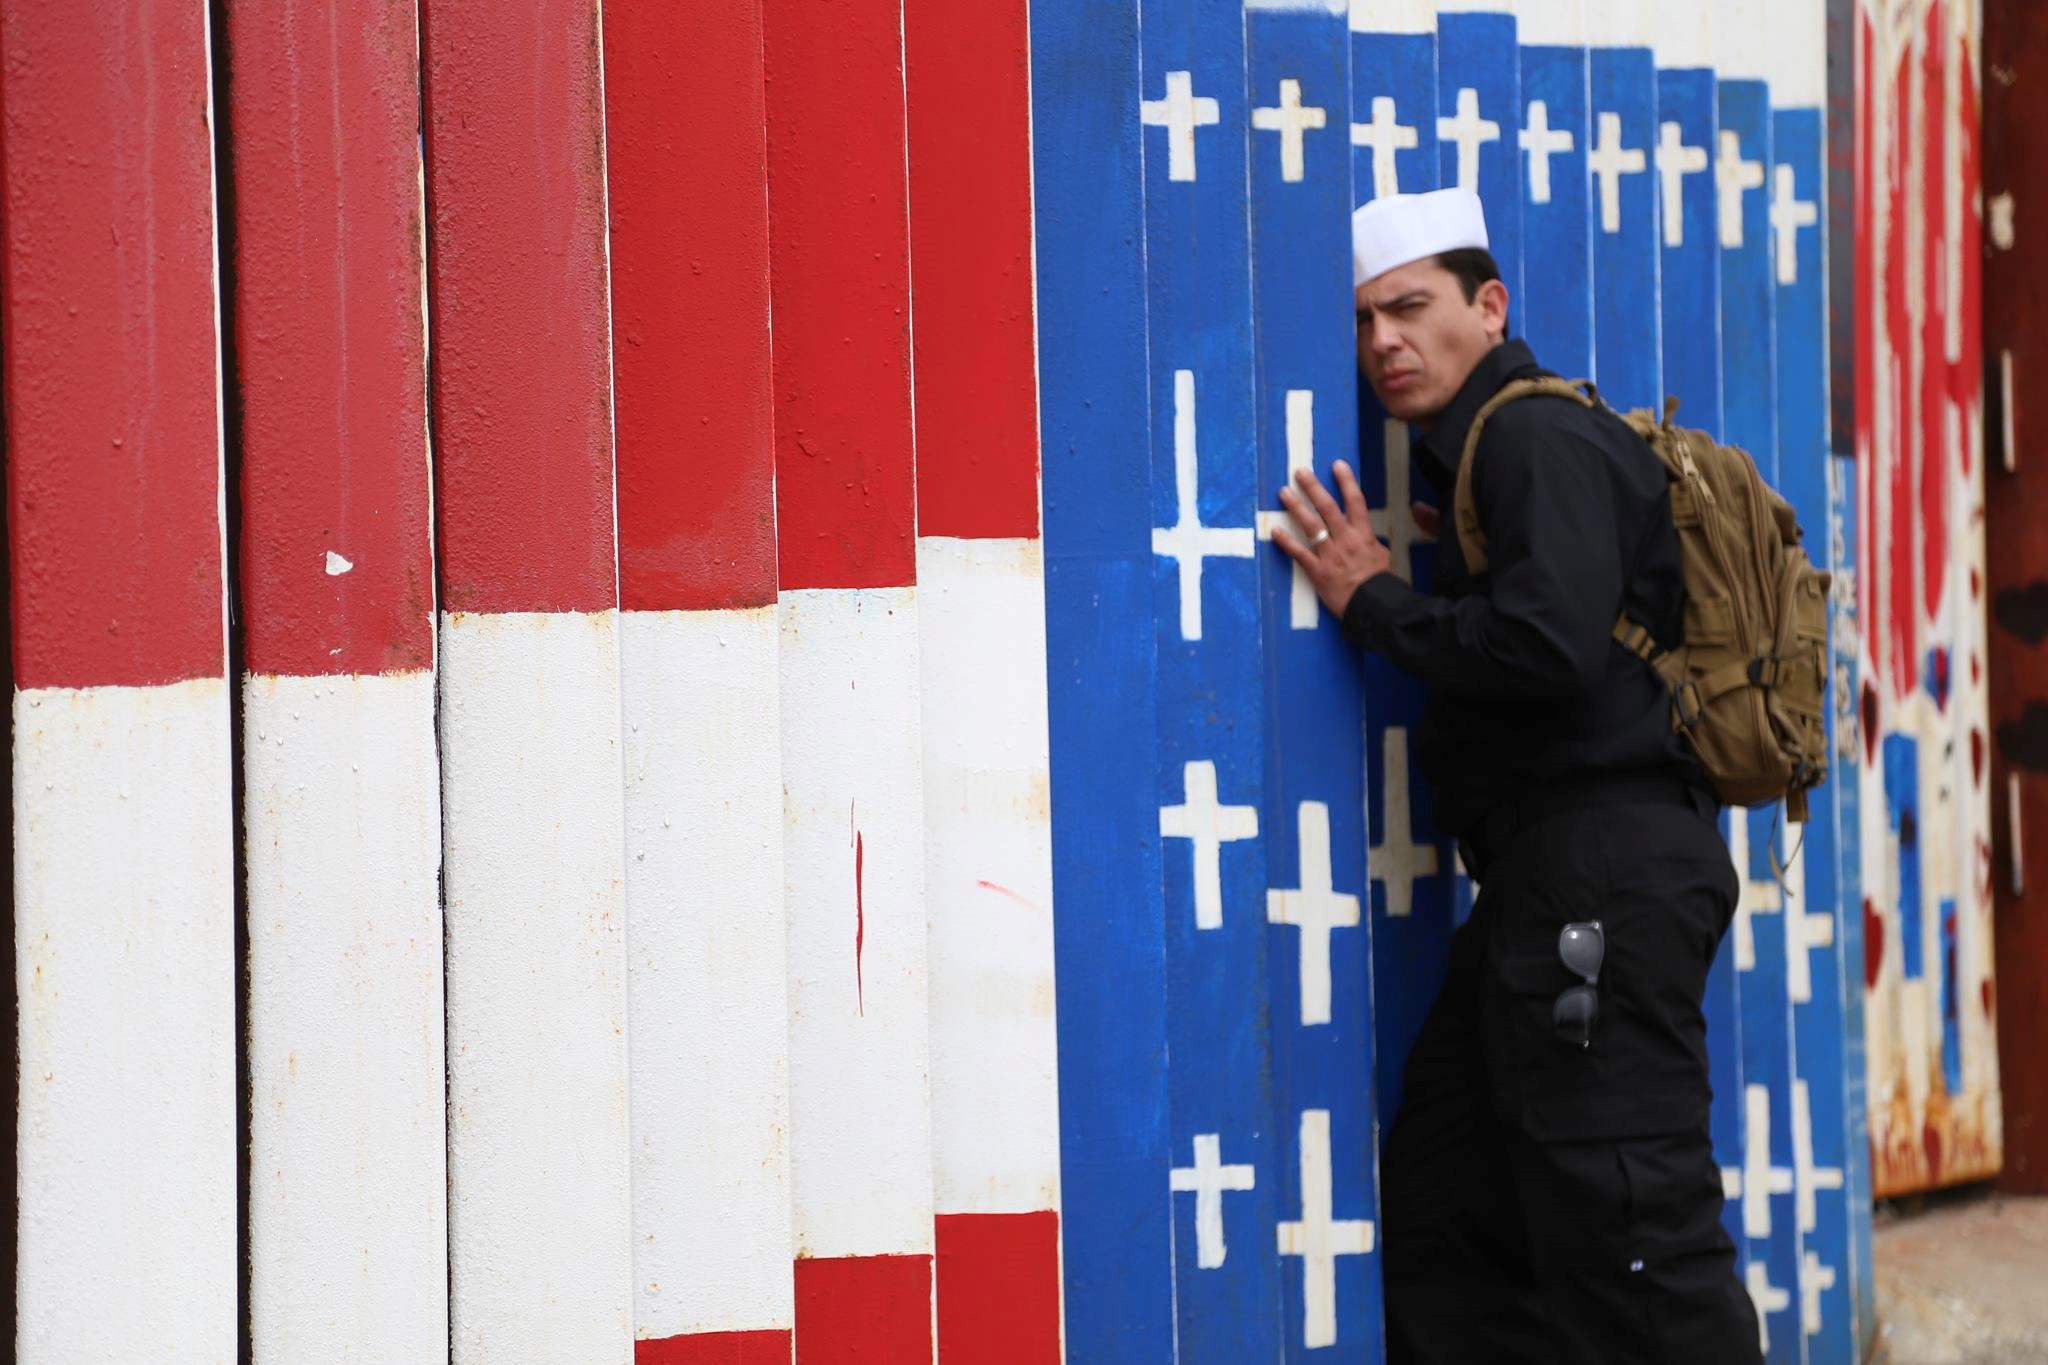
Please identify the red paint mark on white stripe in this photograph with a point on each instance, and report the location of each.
(995, 1100)
(860, 914)
(1008, 894)
(994, 1067)
(860, 1117)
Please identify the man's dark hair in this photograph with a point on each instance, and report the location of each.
(1473, 266)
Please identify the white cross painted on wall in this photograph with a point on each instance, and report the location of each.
(1608, 162)
(1753, 896)
(1290, 118)
(1789, 213)
(1208, 1180)
(1386, 135)
(1676, 161)
(1469, 132)
(1188, 542)
(1808, 1179)
(1815, 1279)
(1317, 1238)
(1397, 862)
(1303, 610)
(1542, 142)
(1734, 178)
(1210, 826)
(1805, 929)
(1756, 1179)
(1315, 907)
(1180, 113)
(1393, 521)
(1768, 1299)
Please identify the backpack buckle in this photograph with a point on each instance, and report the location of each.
(1687, 703)
(1766, 670)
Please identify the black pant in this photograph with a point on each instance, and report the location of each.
(1544, 1202)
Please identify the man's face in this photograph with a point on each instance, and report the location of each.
(1419, 338)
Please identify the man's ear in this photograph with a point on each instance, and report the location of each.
(1493, 308)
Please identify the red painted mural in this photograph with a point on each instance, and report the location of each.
(1933, 1063)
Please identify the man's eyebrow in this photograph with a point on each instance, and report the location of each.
(1396, 301)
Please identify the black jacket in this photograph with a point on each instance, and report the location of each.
(1527, 689)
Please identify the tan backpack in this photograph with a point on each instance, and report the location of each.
(1749, 684)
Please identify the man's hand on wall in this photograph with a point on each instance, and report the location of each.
(1349, 553)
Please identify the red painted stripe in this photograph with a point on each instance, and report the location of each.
(716, 1348)
(970, 224)
(863, 1310)
(111, 356)
(1937, 544)
(1902, 638)
(330, 339)
(999, 1288)
(516, 265)
(686, 139)
(840, 246)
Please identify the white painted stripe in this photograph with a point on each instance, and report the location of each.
(1745, 39)
(1547, 23)
(1618, 23)
(1393, 16)
(347, 1142)
(1682, 34)
(1300, 6)
(860, 1109)
(988, 860)
(1796, 55)
(125, 985)
(539, 1218)
(712, 1244)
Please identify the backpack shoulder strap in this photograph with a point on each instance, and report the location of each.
(1471, 536)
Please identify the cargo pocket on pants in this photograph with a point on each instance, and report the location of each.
(1537, 1076)
(1694, 1308)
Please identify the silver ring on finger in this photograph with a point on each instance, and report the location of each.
(1316, 541)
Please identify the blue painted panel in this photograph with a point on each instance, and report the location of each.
(1741, 152)
(1771, 1230)
(1198, 284)
(1393, 102)
(1827, 1214)
(1557, 239)
(1901, 759)
(1478, 105)
(1627, 320)
(1307, 386)
(1689, 313)
(1690, 275)
(1109, 952)
(1850, 753)
(1411, 947)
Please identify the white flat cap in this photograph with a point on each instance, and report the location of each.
(1401, 228)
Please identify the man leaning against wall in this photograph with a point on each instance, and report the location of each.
(1549, 1187)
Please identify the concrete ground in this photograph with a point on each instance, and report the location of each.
(1962, 1279)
